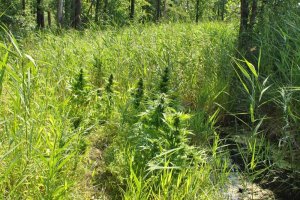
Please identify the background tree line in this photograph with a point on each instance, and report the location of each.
(77, 13)
(80, 13)
(256, 18)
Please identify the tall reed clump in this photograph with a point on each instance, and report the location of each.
(280, 47)
(39, 146)
(271, 121)
(281, 59)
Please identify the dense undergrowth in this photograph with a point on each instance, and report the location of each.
(145, 112)
(75, 95)
(268, 104)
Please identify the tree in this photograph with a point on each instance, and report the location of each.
(158, 9)
(132, 8)
(105, 9)
(244, 16)
(221, 9)
(40, 19)
(253, 14)
(247, 22)
(165, 8)
(77, 12)
(23, 5)
(60, 6)
(197, 10)
(97, 10)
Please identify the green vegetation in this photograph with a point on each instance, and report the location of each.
(84, 85)
(124, 108)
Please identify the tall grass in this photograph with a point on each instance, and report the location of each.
(38, 146)
(81, 85)
(194, 53)
(267, 104)
(133, 113)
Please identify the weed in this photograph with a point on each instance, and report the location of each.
(139, 94)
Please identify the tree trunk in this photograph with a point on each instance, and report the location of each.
(77, 12)
(60, 7)
(243, 35)
(244, 16)
(197, 11)
(223, 10)
(253, 14)
(165, 8)
(23, 6)
(248, 20)
(105, 11)
(158, 10)
(49, 18)
(97, 10)
(132, 8)
(40, 14)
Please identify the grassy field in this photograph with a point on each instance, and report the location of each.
(140, 113)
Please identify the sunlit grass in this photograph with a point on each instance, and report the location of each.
(45, 122)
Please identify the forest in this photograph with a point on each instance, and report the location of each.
(150, 99)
